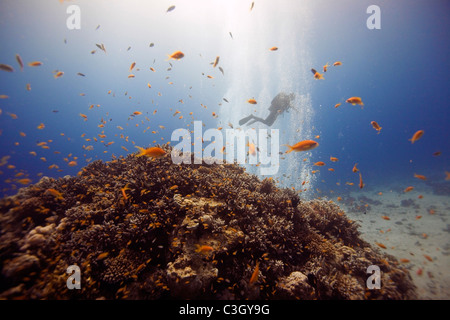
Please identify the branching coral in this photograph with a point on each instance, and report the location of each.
(143, 228)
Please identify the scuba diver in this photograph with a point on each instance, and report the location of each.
(281, 103)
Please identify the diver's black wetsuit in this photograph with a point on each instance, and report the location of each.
(279, 104)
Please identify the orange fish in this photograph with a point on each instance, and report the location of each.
(376, 126)
(153, 152)
(35, 64)
(72, 164)
(355, 101)
(251, 149)
(337, 105)
(337, 63)
(334, 159)
(41, 126)
(417, 136)
(447, 175)
(252, 101)
(24, 181)
(123, 190)
(385, 217)
(404, 260)
(418, 217)
(419, 176)
(419, 271)
(255, 274)
(216, 62)
(132, 66)
(408, 189)
(102, 256)
(355, 169)
(428, 257)
(177, 55)
(304, 145)
(55, 193)
(319, 163)
(58, 74)
(361, 183)
(381, 245)
(204, 249)
(273, 49)
(317, 75)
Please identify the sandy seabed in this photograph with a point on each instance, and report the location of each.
(407, 235)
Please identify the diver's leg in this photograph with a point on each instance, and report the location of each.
(244, 120)
(268, 121)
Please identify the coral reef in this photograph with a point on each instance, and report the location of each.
(409, 203)
(439, 188)
(142, 228)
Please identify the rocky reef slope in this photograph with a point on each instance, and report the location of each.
(149, 229)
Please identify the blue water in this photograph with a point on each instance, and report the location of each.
(401, 72)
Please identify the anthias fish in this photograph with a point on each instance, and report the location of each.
(304, 145)
(255, 274)
(177, 55)
(6, 67)
(216, 62)
(153, 152)
(417, 135)
(376, 126)
(317, 75)
(355, 101)
(35, 64)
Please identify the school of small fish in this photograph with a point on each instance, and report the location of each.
(355, 100)
(153, 153)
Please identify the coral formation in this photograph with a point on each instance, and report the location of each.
(142, 228)
(409, 203)
(439, 188)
